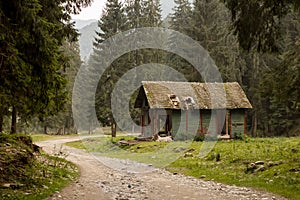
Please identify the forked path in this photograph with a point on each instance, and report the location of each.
(98, 181)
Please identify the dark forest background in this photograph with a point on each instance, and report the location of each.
(256, 43)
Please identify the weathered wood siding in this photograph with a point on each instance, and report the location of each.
(237, 122)
(193, 122)
(185, 124)
(177, 130)
(206, 115)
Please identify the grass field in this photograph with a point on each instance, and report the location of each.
(44, 137)
(26, 174)
(277, 167)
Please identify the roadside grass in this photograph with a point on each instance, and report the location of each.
(280, 173)
(44, 137)
(230, 162)
(158, 154)
(26, 174)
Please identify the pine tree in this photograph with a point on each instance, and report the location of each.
(112, 21)
(257, 23)
(181, 21)
(181, 18)
(210, 26)
(31, 60)
(152, 13)
(143, 13)
(63, 121)
(281, 84)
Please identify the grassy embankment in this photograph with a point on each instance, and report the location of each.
(230, 162)
(27, 174)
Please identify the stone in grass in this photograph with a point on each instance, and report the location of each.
(259, 162)
(251, 166)
(8, 144)
(5, 185)
(191, 150)
(295, 169)
(260, 169)
(295, 150)
(188, 155)
(45, 187)
(271, 164)
(202, 176)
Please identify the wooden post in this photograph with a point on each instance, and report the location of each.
(245, 124)
(230, 124)
(186, 122)
(151, 122)
(170, 122)
(14, 120)
(226, 123)
(1, 122)
(155, 123)
(142, 122)
(217, 122)
(113, 129)
(201, 122)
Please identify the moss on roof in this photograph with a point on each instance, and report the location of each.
(203, 95)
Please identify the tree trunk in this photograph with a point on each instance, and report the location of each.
(90, 131)
(113, 129)
(254, 125)
(1, 123)
(14, 120)
(45, 129)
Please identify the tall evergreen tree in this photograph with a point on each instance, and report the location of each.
(181, 18)
(181, 21)
(63, 121)
(143, 13)
(30, 35)
(112, 21)
(152, 18)
(281, 82)
(134, 14)
(263, 26)
(257, 23)
(207, 23)
(152, 13)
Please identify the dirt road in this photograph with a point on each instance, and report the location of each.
(98, 181)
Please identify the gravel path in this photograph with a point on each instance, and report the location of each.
(97, 181)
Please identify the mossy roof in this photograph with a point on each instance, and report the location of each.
(164, 95)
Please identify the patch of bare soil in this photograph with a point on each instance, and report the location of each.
(98, 181)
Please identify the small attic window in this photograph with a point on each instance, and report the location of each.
(189, 100)
(174, 99)
(172, 96)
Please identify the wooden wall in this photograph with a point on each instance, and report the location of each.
(237, 125)
(186, 124)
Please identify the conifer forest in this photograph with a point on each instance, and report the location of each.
(254, 43)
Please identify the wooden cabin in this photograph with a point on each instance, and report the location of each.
(184, 109)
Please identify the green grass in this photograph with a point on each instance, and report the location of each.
(44, 137)
(31, 175)
(158, 154)
(280, 155)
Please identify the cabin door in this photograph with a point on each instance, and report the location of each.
(221, 122)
